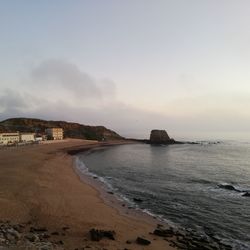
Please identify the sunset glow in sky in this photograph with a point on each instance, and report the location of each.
(183, 66)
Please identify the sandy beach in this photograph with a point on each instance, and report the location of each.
(39, 188)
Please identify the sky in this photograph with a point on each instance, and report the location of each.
(131, 65)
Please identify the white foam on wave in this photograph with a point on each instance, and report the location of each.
(82, 169)
(80, 166)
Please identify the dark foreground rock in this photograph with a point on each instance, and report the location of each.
(38, 229)
(142, 241)
(97, 235)
(27, 236)
(22, 236)
(190, 239)
(163, 232)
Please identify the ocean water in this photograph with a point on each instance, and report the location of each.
(183, 184)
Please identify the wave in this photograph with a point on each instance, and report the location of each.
(200, 181)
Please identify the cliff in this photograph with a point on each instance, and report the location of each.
(71, 130)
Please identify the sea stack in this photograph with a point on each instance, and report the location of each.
(160, 137)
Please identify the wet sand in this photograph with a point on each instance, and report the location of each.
(39, 187)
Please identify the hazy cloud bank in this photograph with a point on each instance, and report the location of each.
(58, 80)
(60, 90)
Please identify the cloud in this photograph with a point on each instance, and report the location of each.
(64, 78)
(12, 100)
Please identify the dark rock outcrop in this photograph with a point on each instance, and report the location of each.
(97, 235)
(246, 194)
(137, 200)
(190, 239)
(228, 187)
(160, 137)
(38, 229)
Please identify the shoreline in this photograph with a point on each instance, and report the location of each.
(113, 199)
(39, 188)
(46, 205)
(181, 238)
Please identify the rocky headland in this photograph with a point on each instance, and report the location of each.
(70, 129)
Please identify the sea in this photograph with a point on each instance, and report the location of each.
(198, 187)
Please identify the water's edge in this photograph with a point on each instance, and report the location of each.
(129, 208)
(111, 198)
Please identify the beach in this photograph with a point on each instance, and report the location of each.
(39, 189)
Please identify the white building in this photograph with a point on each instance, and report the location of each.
(27, 137)
(9, 138)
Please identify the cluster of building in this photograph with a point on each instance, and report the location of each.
(23, 137)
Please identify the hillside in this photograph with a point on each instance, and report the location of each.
(71, 130)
